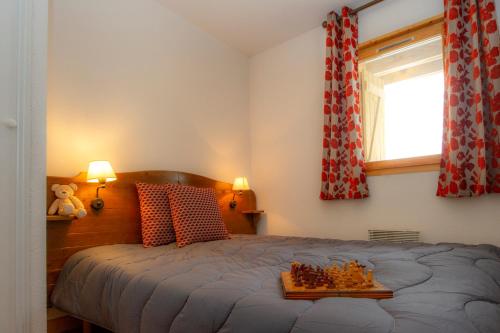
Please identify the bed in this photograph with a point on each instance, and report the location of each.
(105, 276)
(233, 286)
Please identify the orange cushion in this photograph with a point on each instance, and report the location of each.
(196, 215)
(156, 220)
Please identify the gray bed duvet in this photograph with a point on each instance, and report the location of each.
(233, 286)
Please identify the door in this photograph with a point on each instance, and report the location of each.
(8, 174)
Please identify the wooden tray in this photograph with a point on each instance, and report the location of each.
(379, 291)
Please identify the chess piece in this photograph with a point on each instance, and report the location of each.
(369, 279)
(348, 282)
(357, 277)
(331, 283)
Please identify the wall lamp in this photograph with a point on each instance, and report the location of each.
(240, 184)
(99, 172)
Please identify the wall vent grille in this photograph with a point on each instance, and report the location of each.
(396, 236)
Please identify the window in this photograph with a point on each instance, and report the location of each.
(402, 89)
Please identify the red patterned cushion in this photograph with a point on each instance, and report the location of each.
(196, 215)
(156, 220)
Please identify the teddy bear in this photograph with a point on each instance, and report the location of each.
(66, 203)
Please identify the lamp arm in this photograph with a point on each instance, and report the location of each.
(97, 190)
(233, 202)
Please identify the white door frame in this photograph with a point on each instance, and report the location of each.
(30, 271)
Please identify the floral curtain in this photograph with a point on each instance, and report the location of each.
(343, 175)
(471, 148)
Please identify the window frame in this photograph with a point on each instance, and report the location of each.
(406, 36)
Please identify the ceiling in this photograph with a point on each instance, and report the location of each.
(252, 26)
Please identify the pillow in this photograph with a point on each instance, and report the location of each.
(196, 215)
(156, 220)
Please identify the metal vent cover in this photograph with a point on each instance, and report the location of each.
(396, 236)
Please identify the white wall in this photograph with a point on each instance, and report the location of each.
(286, 85)
(131, 82)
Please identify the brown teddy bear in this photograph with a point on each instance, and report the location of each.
(66, 203)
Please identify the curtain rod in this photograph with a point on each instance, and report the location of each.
(360, 8)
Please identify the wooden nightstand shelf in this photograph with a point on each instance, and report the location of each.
(254, 215)
(59, 218)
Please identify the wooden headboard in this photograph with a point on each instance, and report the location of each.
(119, 221)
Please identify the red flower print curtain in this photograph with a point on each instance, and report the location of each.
(471, 148)
(343, 175)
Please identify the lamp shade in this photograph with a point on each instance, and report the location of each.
(100, 172)
(240, 184)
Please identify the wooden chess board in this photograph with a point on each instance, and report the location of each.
(290, 291)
